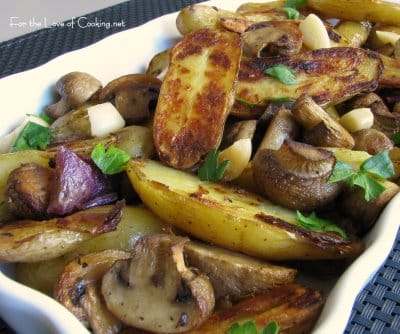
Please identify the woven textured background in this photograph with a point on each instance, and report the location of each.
(377, 308)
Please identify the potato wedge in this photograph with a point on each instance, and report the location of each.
(231, 217)
(358, 10)
(9, 162)
(136, 221)
(30, 241)
(196, 95)
(295, 308)
(327, 75)
(235, 275)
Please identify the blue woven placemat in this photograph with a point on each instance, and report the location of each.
(377, 308)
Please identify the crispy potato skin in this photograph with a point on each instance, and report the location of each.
(327, 75)
(295, 308)
(31, 241)
(358, 10)
(231, 217)
(196, 96)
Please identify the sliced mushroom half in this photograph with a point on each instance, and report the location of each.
(155, 291)
(296, 176)
(272, 38)
(320, 128)
(77, 288)
(132, 95)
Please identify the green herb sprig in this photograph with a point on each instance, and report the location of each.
(292, 13)
(33, 137)
(249, 327)
(314, 223)
(283, 73)
(244, 101)
(375, 168)
(110, 161)
(211, 170)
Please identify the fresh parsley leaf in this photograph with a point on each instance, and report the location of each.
(396, 139)
(282, 73)
(314, 223)
(379, 165)
(372, 188)
(342, 172)
(110, 161)
(271, 328)
(211, 170)
(295, 3)
(244, 101)
(292, 13)
(249, 327)
(45, 117)
(33, 137)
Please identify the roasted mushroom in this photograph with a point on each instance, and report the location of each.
(320, 128)
(28, 191)
(133, 95)
(77, 288)
(75, 89)
(155, 291)
(384, 120)
(272, 38)
(296, 175)
(372, 141)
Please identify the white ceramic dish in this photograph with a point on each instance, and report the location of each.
(29, 311)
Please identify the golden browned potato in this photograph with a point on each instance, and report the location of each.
(30, 241)
(295, 308)
(358, 10)
(195, 96)
(328, 75)
(231, 217)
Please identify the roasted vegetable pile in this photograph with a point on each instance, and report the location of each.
(189, 198)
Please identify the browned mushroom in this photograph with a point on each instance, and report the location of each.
(384, 120)
(75, 89)
(28, 191)
(364, 214)
(78, 289)
(296, 175)
(235, 275)
(372, 141)
(282, 126)
(320, 128)
(133, 95)
(155, 291)
(272, 38)
(238, 130)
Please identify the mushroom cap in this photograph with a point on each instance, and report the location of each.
(155, 291)
(296, 176)
(77, 87)
(132, 95)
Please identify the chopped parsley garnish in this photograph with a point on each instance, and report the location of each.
(211, 170)
(33, 137)
(283, 73)
(244, 101)
(377, 167)
(292, 13)
(249, 327)
(314, 223)
(110, 161)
